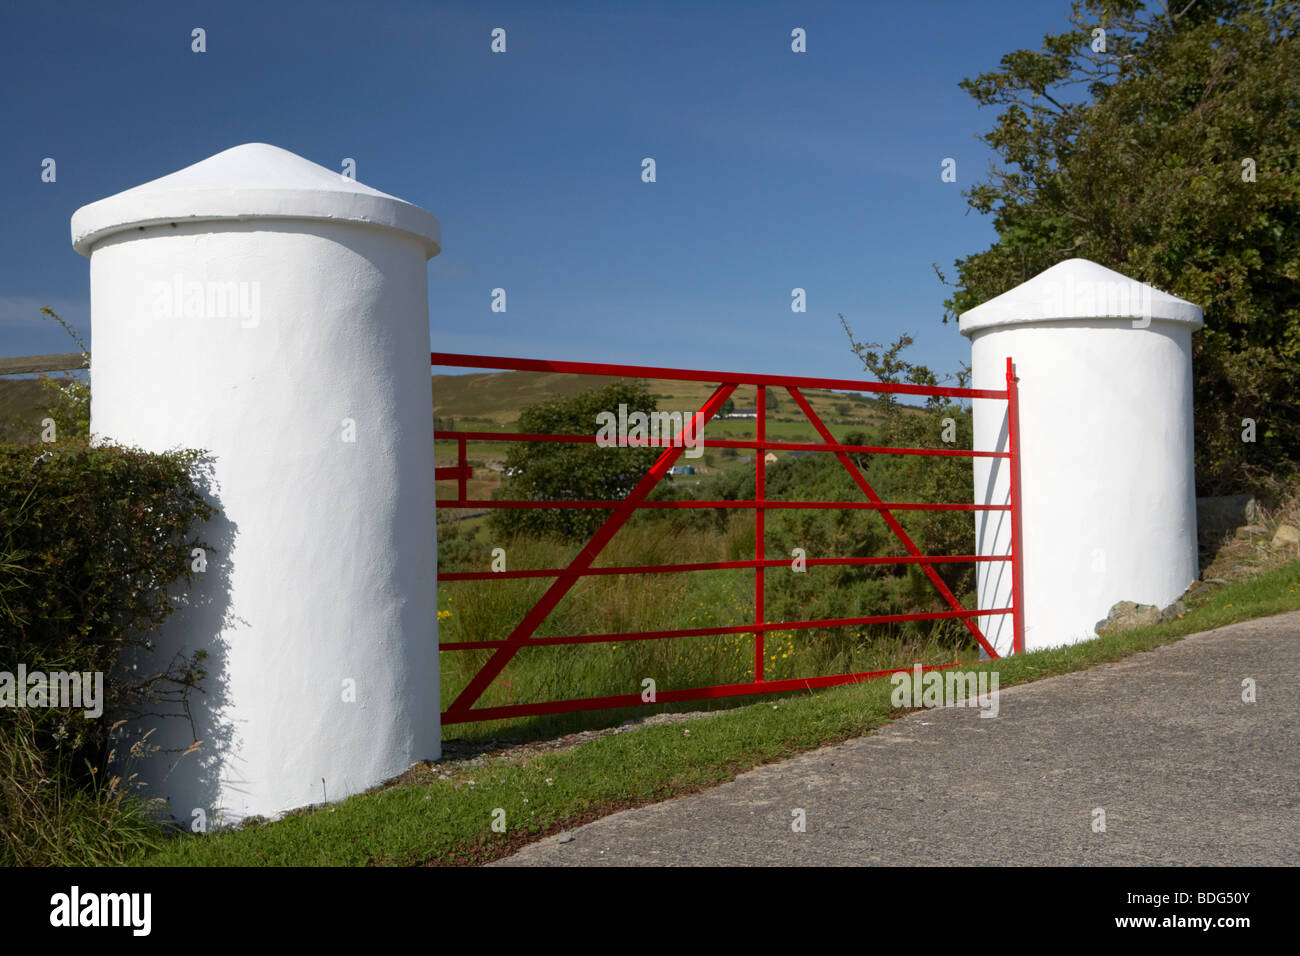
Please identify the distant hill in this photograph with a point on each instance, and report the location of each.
(493, 401)
(499, 397)
(23, 403)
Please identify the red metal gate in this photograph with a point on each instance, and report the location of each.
(462, 709)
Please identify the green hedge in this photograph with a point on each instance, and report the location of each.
(92, 541)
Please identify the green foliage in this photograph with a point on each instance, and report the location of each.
(864, 590)
(923, 477)
(69, 396)
(570, 470)
(92, 538)
(1132, 156)
(69, 405)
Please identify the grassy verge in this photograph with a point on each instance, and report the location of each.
(448, 821)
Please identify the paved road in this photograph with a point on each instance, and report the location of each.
(1186, 773)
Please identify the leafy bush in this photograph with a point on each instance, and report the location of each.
(571, 471)
(91, 541)
(1168, 153)
(69, 396)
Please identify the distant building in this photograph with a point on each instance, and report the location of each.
(771, 455)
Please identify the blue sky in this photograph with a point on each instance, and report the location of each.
(775, 170)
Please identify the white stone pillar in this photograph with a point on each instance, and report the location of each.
(275, 313)
(1107, 486)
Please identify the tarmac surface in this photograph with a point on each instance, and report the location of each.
(1186, 772)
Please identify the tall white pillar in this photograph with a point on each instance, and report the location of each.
(275, 313)
(1107, 488)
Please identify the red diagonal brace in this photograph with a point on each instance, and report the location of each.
(890, 519)
(521, 635)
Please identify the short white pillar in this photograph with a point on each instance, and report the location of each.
(1107, 487)
(275, 313)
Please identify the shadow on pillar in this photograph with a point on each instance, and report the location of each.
(173, 739)
(989, 527)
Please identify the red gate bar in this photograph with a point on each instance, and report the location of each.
(626, 636)
(453, 360)
(462, 709)
(672, 696)
(720, 443)
(717, 565)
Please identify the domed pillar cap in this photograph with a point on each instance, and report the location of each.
(250, 182)
(1079, 289)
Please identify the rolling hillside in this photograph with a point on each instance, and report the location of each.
(491, 402)
(23, 403)
(498, 397)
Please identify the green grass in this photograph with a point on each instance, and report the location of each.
(489, 610)
(448, 821)
(46, 821)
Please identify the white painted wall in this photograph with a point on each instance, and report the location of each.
(1107, 487)
(325, 561)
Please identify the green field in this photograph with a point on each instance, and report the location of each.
(492, 402)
